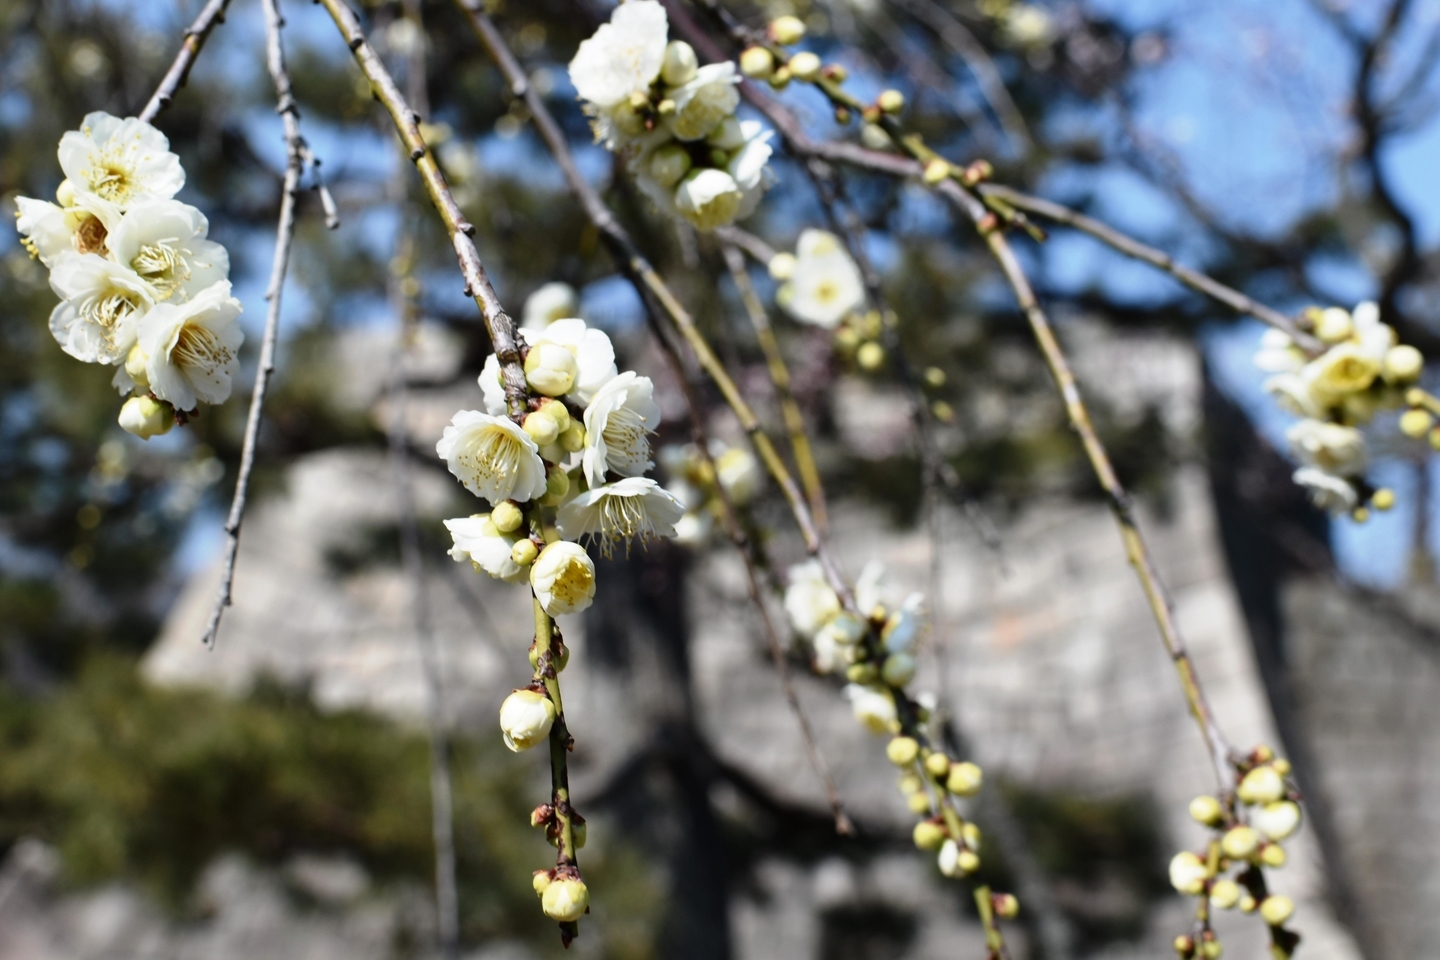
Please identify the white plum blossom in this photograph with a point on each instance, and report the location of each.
(809, 600)
(594, 354)
(123, 161)
(493, 457)
(551, 302)
(623, 57)
(902, 629)
(618, 423)
(874, 707)
(478, 540)
(635, 507)
(1328, 446)
(492, 388)
(563, 578)
(164, 242)
(825, 285)
(1278, 352)
(51, 230)
(739, 474)
(192, 349)
(708, 198)
(706, 100)
(1327, 491)
(98, 318)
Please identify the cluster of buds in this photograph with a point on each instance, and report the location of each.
(697, 485)
(1249, 829)
(1362, 370)
(672, 118)
(142, 289)
(925, 771)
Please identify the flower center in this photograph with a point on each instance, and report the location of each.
(827, 291)
(163, 265)
(625, 440)
(495, 454)
(112, 179)
(198, 347)
(108, 310)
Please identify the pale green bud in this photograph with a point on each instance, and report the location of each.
(135, 362)
(1403, 364)
(1207, 810)
(556, 411)
(928, 835)
(782, 266)
(804, 65)
(146, 418)
(787, 31)
(1225, 893)
(542, 428)
(524, 552)
(680, 63)
(891, 101)
(1277, 909)
(1240, 843)
(573, 439)
(507, 517)
(550, 369)
(757, 63)
(902, 751)
(65, 193)
(727, 135)
(565, 900)
(965, 779)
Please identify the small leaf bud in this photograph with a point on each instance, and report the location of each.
(1005, 905)
(965, 779)
(565, 900)
(936, 170)
(524, 552)
(507, 517)
(902, 751)
(937, 764)
(1383, 499)
(541, 815)
(542, 428)
(1277, 909)
(1224, 893)
(835, 72)
(891, 101)
(1403, 364)
(1413, 423)
(918, 802)
(804, 65)
(787, 31)
(842, 115)
(928, 835)
(757, 63)
(1240, 843)
(870, 356)
(573, 439)
(1207, 810)
(782, 266)
(680, 63)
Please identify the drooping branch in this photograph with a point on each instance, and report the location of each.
(195, 36)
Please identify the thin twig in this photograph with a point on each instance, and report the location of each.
(800, 447)
(1159, 259)
(265, 368)
(195, 37)
(402, 296)
(648, 285)
(501, 327)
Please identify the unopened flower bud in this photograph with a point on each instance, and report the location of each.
(870, 356)
(1281, 765)
(782, 266)
(804, 65)
(146, 418)
(1211, 950)
(918, 802)
(507, 517)
(1187, 873)
(727, 135)
(928, 835)
(1225, 893)
(757, 63)
(1261, 785)
(573, 439)
(565, 900)
(557, 484)
(1403, 364)
(550, 369)
(1277, 909)
(911, 784)
(135, 363)
(936, 170)
(1184, 946)
(937, 764)
(665, 107)
(540, 881)
(898, 670)
(787, 31)
(542, 428)
(541, 815)
(65, 193)
(1247, 902)
(524, 552)
(1334, 325)
(1005, 905)
(1207, 810)
(557, 411)
(780, 79)
(1273, 855)
(965, 779)
(638, 101)
(1277, 820)
(955, 861)
(864, 673)
(902, 751)
(525, 719)
(1240, 843)
(680, 63)
(1383, 499)
(934, 377)
(891, 101)
(970, 835)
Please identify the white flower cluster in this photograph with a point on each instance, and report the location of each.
(1249, 829)
(1362, 371)
(694, 484)
(141, 287)
(877, 654)
(673, 119)
(576, 459)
